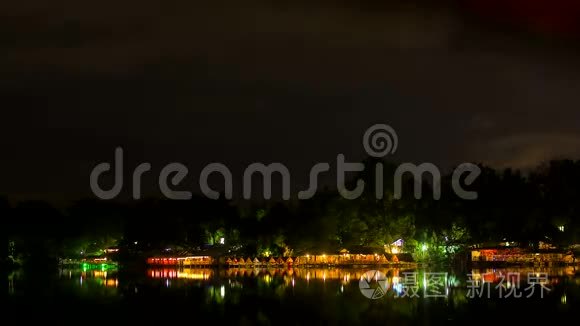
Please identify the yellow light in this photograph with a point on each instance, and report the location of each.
(112, 283)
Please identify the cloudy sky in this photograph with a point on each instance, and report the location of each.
(285, 81)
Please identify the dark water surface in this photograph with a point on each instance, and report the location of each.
(282, 296)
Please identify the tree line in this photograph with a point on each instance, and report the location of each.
(540, 205)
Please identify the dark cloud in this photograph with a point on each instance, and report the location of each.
(295, 82)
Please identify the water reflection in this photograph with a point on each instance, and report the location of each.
(449, 284)
(490, 275)
(267, 274)
(13, 276)
(514, 275)
(91, 278)
(188, 273)
(330, 295)
(346, 281)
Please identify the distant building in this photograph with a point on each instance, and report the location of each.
(181, 261)
(516, 255)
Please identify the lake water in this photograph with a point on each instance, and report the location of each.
(282, 296)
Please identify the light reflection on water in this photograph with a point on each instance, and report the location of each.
(327, 294)
(218, 283)
(345, 275)
(346, 280)
(290, 276)
(91, 277)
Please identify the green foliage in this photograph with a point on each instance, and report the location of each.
(510, 205)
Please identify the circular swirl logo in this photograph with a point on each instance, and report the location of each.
(373, 284)
(380, 140)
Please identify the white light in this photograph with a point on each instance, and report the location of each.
(135, 242)
(222, 240)
(223, 291)
(424, 247)
(398, 243)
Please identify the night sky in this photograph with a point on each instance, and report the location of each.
(297, 82)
